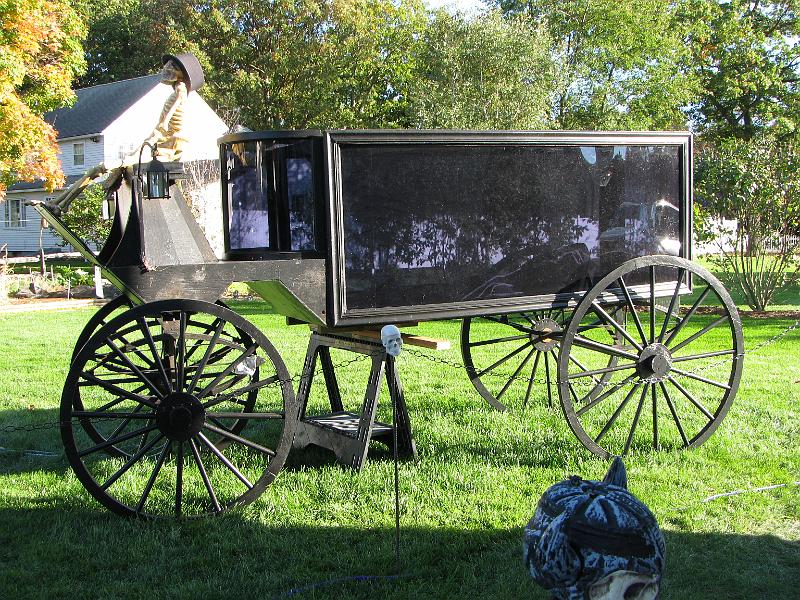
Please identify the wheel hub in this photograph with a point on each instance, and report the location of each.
(179, 416)
(544, 343)
(655, 363)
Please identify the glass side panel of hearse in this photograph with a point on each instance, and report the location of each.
(271, 198)
(428, 224)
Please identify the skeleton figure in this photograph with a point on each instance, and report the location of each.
(392, 340)
(169, 132)
(591, 540)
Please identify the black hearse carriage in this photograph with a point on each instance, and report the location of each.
(565, 255)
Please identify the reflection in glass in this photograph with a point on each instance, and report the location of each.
(437, 223)
(248, 209)
(300, 191)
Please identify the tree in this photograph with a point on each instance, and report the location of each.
(757, 184)
(125, 39)
(83, 216)
(483, 72)
(306, 63)
(40, 54)
(746, 56)
(622, 65)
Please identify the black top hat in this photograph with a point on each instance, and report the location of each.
(192, 71)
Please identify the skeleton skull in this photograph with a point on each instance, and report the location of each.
(392, 340)
(625, 585)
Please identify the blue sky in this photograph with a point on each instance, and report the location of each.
(467, 6)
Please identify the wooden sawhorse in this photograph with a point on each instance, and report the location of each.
(348, 434)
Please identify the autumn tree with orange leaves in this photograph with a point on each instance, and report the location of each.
(40, 55)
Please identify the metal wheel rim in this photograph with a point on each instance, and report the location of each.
(650, 385)
(196, 462)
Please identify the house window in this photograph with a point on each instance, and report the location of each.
(77, 154)
(14, 212)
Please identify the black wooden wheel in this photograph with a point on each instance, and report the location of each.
(511, 359)
(171, 385)
(203, 332)
(678, 367)
(103, 315)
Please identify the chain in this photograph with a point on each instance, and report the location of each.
(431, 358)
(297, 378)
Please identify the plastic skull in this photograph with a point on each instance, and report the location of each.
(594, 540)
(392, 340)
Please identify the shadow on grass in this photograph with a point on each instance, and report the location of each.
(70, 551)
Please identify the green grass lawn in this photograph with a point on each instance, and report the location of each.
(464, 502)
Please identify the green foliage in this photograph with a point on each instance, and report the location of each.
(756, 183)
(40, 54)
(84, 216)
(126, 39)
(620, 64)
(745, 55)
(484, 72)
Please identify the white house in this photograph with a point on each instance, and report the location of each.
(106, 122)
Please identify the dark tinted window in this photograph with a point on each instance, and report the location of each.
(433, 223)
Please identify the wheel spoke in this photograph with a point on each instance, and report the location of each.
(516, 373)
(204, 475)
(224, 460)
(691, 375)
(594, 372)
(148, 336)
(117, 440)
(671, 308)
(547, 375)
(153, 476)
(617, 412)
(180, 353)
(530, 381)
(674, 412)
(583, 342)
(245, 415)
(636, 416)
(134, 368)
(685, 319)
(655, 415)
(110, 387)
(511, 338)
(179, 480)
(128, 416)
(131, 461)
(503, 359)
(604, 395)
(509, 323)
(226, 372)
(652, 306)
(703, 355)
(240, 440)
(610, 320)
(242, 390)
(200, 368)
(696, 335)
(691, 398)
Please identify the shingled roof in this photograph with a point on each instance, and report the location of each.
(98, 106)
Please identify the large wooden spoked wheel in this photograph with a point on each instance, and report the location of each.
(512, 359)
(170, 386)
(678, 366)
